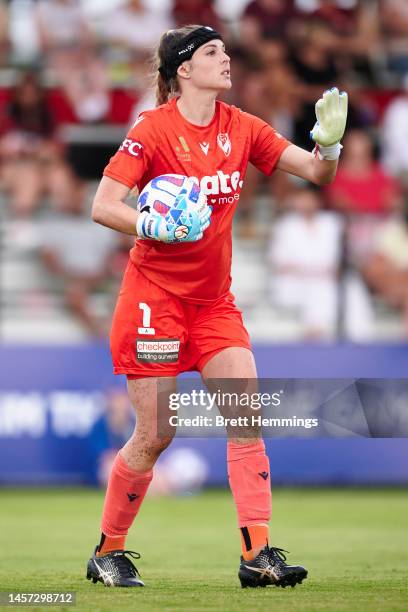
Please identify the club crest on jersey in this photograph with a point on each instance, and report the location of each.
(131, 147)
(223, 141)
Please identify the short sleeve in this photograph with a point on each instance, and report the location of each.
(132, 159)
(267, 145)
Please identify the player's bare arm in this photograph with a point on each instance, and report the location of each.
(109, 207)
(304, 164)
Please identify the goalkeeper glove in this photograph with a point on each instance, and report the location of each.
(184, 222)
(331, 114)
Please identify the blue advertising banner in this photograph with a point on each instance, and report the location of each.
(54, 429)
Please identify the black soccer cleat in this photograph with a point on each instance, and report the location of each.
(269, 567)
(114, 569)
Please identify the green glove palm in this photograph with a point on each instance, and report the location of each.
(331, 114)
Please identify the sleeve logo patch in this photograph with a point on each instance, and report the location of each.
(131, 147)
(162, 350)
(138, 120)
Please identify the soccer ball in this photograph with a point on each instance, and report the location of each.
(176, 207)
(172, 196)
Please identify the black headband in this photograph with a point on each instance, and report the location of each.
(183, 49)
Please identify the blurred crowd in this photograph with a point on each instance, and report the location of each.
(88, 63)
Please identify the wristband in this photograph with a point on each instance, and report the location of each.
(330, 153)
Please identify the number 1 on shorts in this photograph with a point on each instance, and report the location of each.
(146, 330)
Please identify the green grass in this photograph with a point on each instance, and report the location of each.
(353, 542)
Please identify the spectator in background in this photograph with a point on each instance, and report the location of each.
(32, 161)
(4, 33)
(323, 55)
(196, 11)
(315, 68)
(68, 47)
(304, 254)
(340, 16)
(282, 104)
(119, 258)
(267, 87)
(395, 136)
(110, 433)
(363, 191)
(386, 270)
(130, 32)
(117, 263)
(77, 253)
(355, 33)
(265, 19)
(363, 109)
(361, 186)
(394, 21)
(249, 95)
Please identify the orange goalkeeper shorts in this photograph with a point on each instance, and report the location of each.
(155, 333)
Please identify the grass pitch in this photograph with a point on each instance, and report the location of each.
(353, 542)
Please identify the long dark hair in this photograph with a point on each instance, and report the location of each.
(34, 116)
(167, 87)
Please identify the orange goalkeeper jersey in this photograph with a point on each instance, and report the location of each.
(161, 141)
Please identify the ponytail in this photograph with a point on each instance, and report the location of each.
(162, 90)
(167, 87)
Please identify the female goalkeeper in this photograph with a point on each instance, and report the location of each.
(175, 298)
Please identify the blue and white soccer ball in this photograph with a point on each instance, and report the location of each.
(172, 196)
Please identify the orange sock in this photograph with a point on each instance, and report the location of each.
(107, 544)
(253, 539)
(249, 478)
(124, 495)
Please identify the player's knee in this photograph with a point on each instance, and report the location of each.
(151, 447)
(158, 445)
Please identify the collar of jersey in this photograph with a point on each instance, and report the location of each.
(193, 126)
